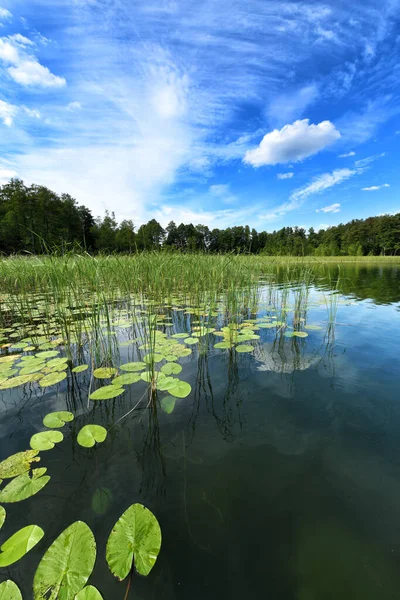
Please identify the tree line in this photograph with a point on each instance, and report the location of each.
(34, 219)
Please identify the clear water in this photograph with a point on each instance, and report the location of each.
(278, 477)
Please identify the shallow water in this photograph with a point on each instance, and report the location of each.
(277, 477)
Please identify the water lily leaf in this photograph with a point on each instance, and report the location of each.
(133, 366)
(17, 381)
(101, 500)
(52, 379)
(18, 463)
(47, 354)
(167, 383)
(181, 390)
(45, 440)
(23, 486)
(55, 420)
(126, 379)
(57, 363)
(89, 593)
(223, 345)
(312, 327)
(9, 358)
(9, 591)
(2, 514)
(300, 334)
(80, 368)
(245, 348)
(153, 358)
(19, 544)
(171, 369)
(267, 325)
(183, 352)
(288, 334)
(90, 434)
(31, 368)
(105, 372)
(168, 404)
(67, 564)
(191, 341)
(179, 335)
(170, 357)
(106, 393)
(136, 535)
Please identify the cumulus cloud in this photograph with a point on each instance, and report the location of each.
(20, 39)
(24, 67)
(374, 188)
(292, 143)
(332, 208)
(285, 175)
(6, 174)
(347, 155)
(7, 112)
(323, 182)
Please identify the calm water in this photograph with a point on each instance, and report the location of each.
(278, 477)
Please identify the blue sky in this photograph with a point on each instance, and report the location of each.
(253, 112)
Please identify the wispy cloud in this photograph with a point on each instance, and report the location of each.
(7, 113)
(322, 183)
(4, 13)
(285, 175)
(332, 208)
(375, 188)
(292, 143)
(348, 154)
(223, 192)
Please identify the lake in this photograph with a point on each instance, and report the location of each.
(277, 476)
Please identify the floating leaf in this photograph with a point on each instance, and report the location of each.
(9, 358)
(133, 366)
(183, 352)
(107, 392)
(170, 357)
(23, 486)
(2, 515)
(45, 440)
(181, 389)
(288, 334)
(18, 463)
(66, 565)
(168, 404)
(171, 369)
(89, 593)
(19, 544)
(167, 383)
(245, 348)
(55, 420)
(80, 368)
(52, 379)
(191, 341)
(179, 335)
(135, 536)
(105, 372)
(90, 434)
(300, 334)
(153, 357)
(313, 327)
(57, 363)
(9, 591)
(223, 345)
(17, 381)
(126, 379)
(101, 500)
(47, 354)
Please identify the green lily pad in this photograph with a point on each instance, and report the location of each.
(191, 341)
(133, 366)
(105, 372)
(2, 515)
(24, 486)
(67, 564)
(168, 404)
(47, 354)
(181, 390)
(28, 370)
(80, 368)
(89, 593)
(170, 357)
(171, 369)
(288, 334)
(19, 544)
(45, 440)
(300, 334)
(9, 591)
(167, 383)
(17, 381)
(179, 335)
(183, 352)
(126, 379)
(18, 463)
(223, 345)
(55, 420)
(90, 434)
(312, 327)
(153, 358)
(135, 536)
(106, 393)
(57, 363)
(52, 379)
(245, 348)
(101, 500)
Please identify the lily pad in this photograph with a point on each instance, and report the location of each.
(80, 368)
(153, 358)
(171, 369)
(9, 591)
(45, 440)
(183, 352)
(167, 383)
(179, 335)
(47, 354)
(18, 463)
(24, 486)
(55, 420)
(105, 372)
(126, 379)
(90, 434)
(66, 565)
(133, 366)
(190, 341)
(223, 345)
(89, 593)
(57, 363)
(245, 348)
(181, 390)
(17, 381)
(101, 500)
(19, 544)
(135, 536)
(106, 392)
(52, 379)
(300, 334)
(168, 404)
(2, 515)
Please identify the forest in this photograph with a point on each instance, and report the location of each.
(36, 220)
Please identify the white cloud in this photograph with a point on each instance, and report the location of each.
(374, 188)
(6, 174)
(292, 143)
(32, 112)
(332, 208)
(347, 155)
(223, 192)
(364, 162)
(4, 13)
(288, 107)
(323, 182)
(74, 106)
(24, 68)
(285, 175)
(20, 39)
(7, 112)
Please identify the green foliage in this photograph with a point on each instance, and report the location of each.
(107, 392)
(67, 564)
(89, 593)
(2, 515)
(24, 486)
(18, 463)
(45, 440)
(90, 434)
(19, 544)
(55, 420)
(101, 500)
(136, 536)
(9, 591)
